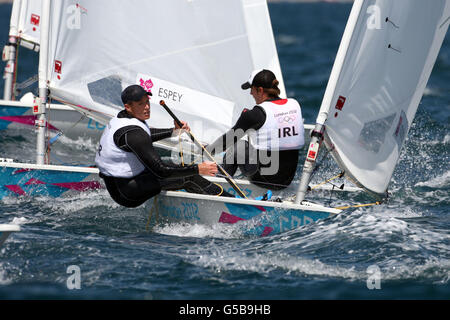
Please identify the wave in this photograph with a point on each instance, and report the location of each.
(81, 143)
(289, 40)
(440, 181)
(4, 280)
(343, 248)
(218, 230)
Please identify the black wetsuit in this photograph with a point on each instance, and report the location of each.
(288, 159)
(158, 175)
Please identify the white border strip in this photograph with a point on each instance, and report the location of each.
(283, 205)
(9, 228)
(19, 104)
(34, 166)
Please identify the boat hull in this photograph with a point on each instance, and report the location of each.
(249, 217)
(18, 179)
(60, 118)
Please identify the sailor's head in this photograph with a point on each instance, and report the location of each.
(136, 101)
(263, 85)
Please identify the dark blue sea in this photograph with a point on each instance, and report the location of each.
(400, 250)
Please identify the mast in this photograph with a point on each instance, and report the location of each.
(9, 52)
(39, 110)
(317, 134)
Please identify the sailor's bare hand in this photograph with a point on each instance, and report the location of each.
(207, 169)
(184, 126)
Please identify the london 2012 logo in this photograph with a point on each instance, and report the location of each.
(146, 84)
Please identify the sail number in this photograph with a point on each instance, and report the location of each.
(187, 211)
(292, 221)
(190, 210)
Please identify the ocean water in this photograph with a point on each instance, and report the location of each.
(400, 250)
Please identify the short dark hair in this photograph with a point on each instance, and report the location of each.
(133, 93)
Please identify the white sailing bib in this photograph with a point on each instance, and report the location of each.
(283, 129)
(113, 161)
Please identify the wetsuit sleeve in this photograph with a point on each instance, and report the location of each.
(159, 134)
(249, 119)
(135, 139)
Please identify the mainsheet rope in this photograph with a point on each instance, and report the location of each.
(180, 144)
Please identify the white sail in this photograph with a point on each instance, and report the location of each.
(390, 57)
(194, 54)
(26, 20)
(260, 36)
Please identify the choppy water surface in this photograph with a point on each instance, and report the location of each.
(404, 244)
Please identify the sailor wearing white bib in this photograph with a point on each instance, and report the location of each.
(131, 167)
(114, 161)
(283, 128)
(276, 134)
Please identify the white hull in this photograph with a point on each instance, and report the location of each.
(15, 114)
(252, 217)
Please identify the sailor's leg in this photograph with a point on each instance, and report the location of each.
(243, 156)
(229, 162)
(194, 184)
(247, 158)
(132, 192)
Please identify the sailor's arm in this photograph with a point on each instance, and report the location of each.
(160, 134)
(135, 139)
(249, 119)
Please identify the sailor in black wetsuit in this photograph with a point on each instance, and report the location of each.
(276, 134)
(131, 167)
